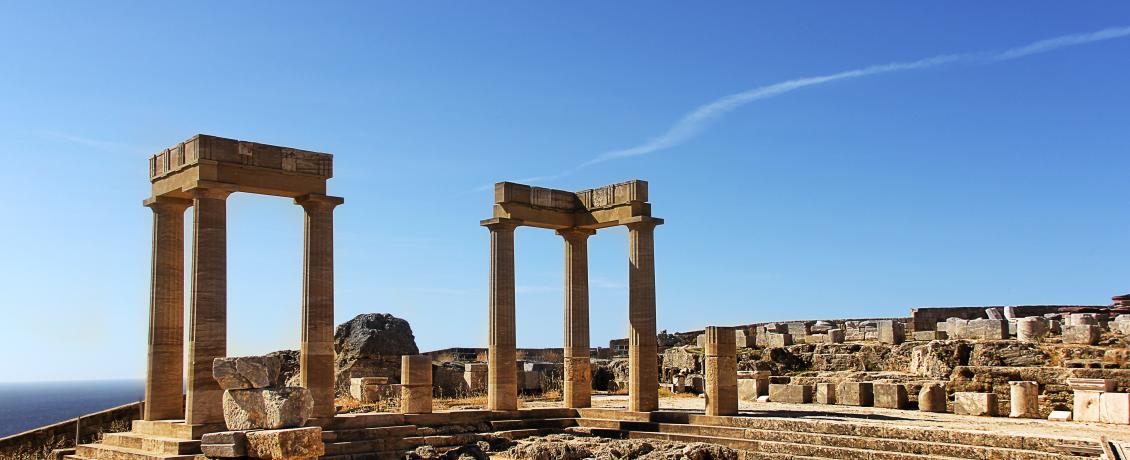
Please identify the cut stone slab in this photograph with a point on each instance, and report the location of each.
(980, 404)
(790, 393)
(890, 395)
(825, 393)
(774, 340)
(1085, 334)
(1060, 416)
(855, 394)
(288, 444)
(926, 336)
(1087, 406)
(836, 336)
(246, 372)
(1114, 408)
(1091, 384)
(225, 444)
(1032, 329)
(891, 332)
(267, 408)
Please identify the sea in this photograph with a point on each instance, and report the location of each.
(28, 405)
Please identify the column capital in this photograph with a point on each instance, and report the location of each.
(641, 222)
(315, 201)
(500, 224)
(575, 233)
(210, 193)
(166, 204)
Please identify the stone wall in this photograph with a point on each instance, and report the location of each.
(927, 318)
(38, 443)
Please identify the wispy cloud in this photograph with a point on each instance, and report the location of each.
(96, 144)
(697, 120)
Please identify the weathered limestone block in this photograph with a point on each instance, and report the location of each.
(775, 340)
(753, 384)
(814, 339)
(977, 329)
(790, 393)
(1087, 406)
(798, 329)
(994, 313)
(1114, 408)
(475, 376)
(890, 395)
(371, 389)
(932, 398)
(1082, 319)
(825, 393)
(721, 385)
(1084, 334)
(289, 444)
(891, 332)
(926, 336)
(267, 408)
(1031, 329)
(1024, 399)
(980, 404)
(416, 399)
(1060, 416)
(416, 383)
(225, 444)
(246, 372)
(741, 340)
(1106, 385)
(835, 336)
(855, 394)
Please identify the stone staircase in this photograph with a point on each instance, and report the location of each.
(775, 437)
(149, 440)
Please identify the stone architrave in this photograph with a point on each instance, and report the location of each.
(855, 394)
(578, 376)
(1031, 329)
(890, 395)
(1024, 399)
(932, 398)
(416, 384)
(825, 393)
(790, 393)
(208, 313)
(502, 371)
(721, 370)
(970, 403)
(164, 396)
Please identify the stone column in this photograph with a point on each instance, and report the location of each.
(578, 377)
(316, 362)
(164, 376)
(502, 370)
(416, 384)
(1024, 399)
(208, 329)
(643, 373)
(721, 369)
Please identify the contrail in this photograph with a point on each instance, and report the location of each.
(697, 120)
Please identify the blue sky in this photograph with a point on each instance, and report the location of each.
(976, 181)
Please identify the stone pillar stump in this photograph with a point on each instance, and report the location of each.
(721, 369)
(416, 384)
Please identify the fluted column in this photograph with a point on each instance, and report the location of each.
(578, 377)
(643, 372)
(502, 372)
(316, 362)
(164, 375)
(208, 328)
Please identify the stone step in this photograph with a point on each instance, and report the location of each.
(558, 423)
(525, 433)
(389, 455)
(105, 452)
(824, 439)
(787, 448)
(365, 446)
(150, 443)
(364, 434)
(175, 428)
(366, 420)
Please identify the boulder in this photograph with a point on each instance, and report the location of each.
(246, 372)
(267, 408)
(370, 345)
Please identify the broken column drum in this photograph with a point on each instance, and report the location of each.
(201, 173)
(1024, 399)
(575, 216)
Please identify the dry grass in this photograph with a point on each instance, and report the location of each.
(665, 393)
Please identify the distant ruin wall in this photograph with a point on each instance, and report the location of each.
(927, 318)
(470, 355)
(38, 443)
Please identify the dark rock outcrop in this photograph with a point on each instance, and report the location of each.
(371, 345)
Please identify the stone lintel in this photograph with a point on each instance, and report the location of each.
(602, 207)
(247, 166)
